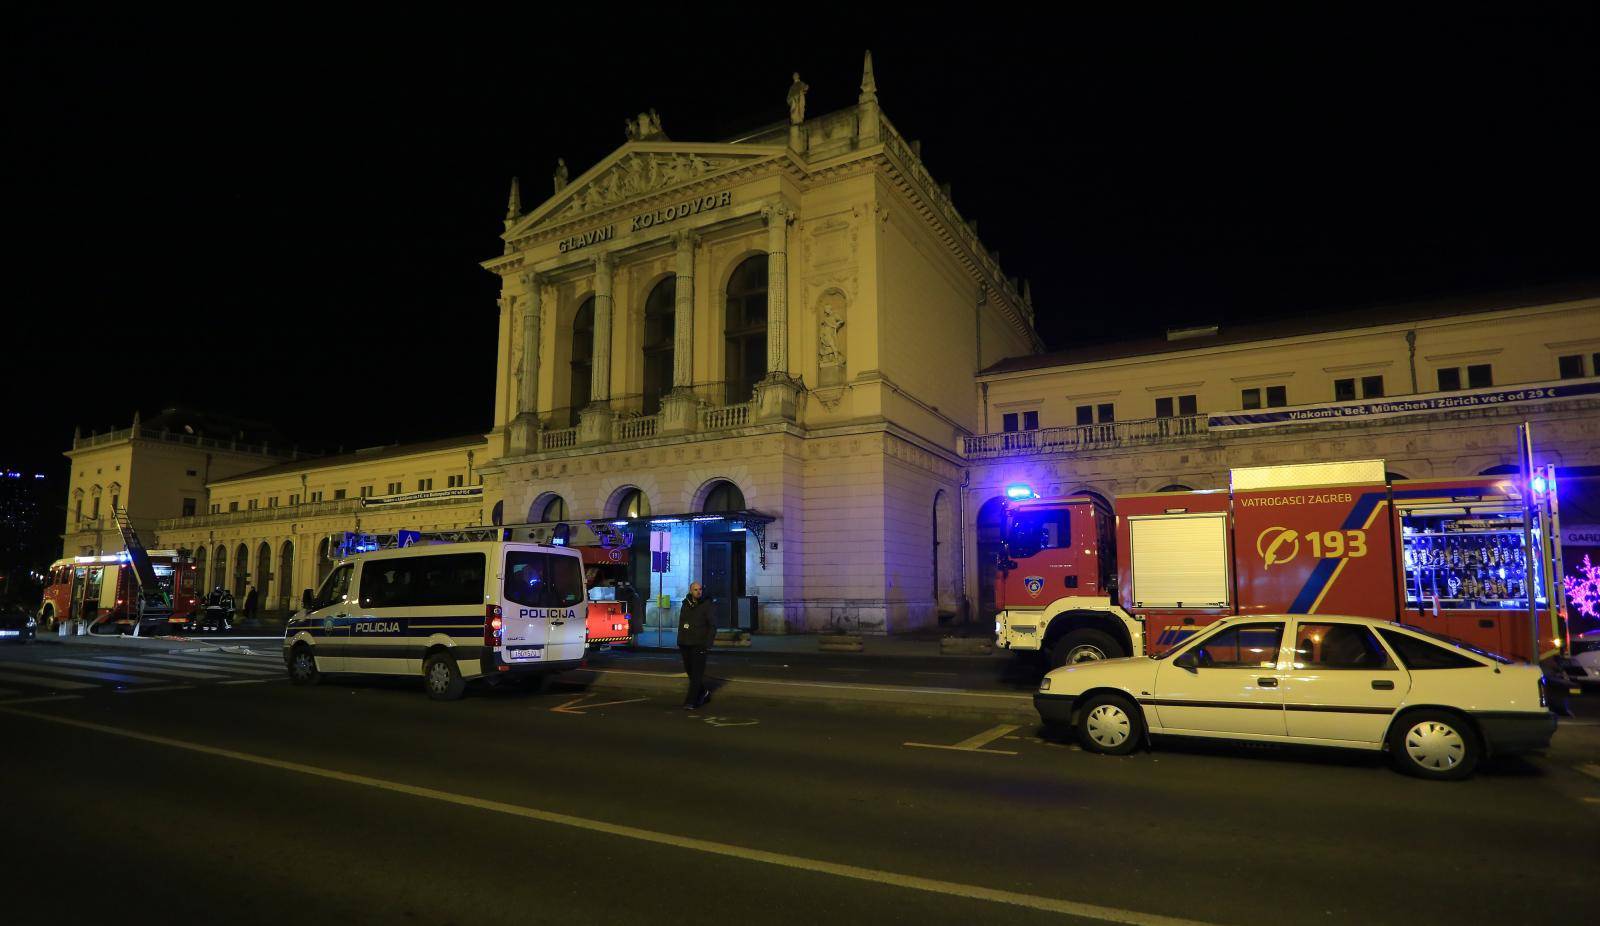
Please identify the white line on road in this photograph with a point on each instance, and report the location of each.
(105, 675)
(727, 850)
(976, 743)
(43, 698)
(252, 681)
(221, 663)
(140, 665)
(1592, 770)
(576, 705)
(21, 679)
(158, 688)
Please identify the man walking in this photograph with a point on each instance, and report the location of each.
(697, 628)
(250, 603)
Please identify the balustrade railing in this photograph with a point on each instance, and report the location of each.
(559, 439)
(1107, 436)
(634, 428)
(724, 417)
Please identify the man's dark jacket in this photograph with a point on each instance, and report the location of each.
(697, 624)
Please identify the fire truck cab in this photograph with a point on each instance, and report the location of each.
(1459, 557)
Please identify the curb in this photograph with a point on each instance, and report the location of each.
(943, 702)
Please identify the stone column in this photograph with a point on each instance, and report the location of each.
(679, 408)
(594, 422)
(525, 429)
(778, 217)
(777, 395)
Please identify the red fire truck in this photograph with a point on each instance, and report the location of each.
(612, 598)
(1450, 556)
(102, 591)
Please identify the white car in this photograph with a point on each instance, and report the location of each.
(1584, 667)
(1437, 705)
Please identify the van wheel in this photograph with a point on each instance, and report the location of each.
(1110, 725)
(1434, 744)
(47, 618)
(1084, 645)
(303, 666)
(442, 679)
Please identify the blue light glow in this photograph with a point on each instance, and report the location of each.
(666, 520)
(1540, 485)
(619, 523)
(1018, 491)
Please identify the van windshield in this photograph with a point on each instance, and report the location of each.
(543, 580)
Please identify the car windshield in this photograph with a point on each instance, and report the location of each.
(1459, 644)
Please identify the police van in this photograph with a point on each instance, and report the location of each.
(449, 613)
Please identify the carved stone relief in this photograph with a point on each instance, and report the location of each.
(640, 173)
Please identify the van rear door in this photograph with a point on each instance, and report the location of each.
(542, 607)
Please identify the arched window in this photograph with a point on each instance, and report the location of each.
(286, 575)
(745, 328)
(219, 568)
(241, 571)
(633, 504)
(554, 510)
(724, 496)
(200, 569)
(1503, 469)
(582, 357)
(659, 318)
(1175, 487)
(263, 577)
(497, 516)
(1394, 477)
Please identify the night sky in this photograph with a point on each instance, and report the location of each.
(282, 218)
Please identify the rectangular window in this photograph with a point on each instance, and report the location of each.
(1085, 414)
(338, 494)
(190, 472)
(1480, 375)
(424, 485)
(251, 505)
(543, 580)
(294, 499)
(116, 502)
(316, 496)
(233, 506)
(1449, 379)
(1571, 366)
(1372, 387)
(1105, 412)
(455, 482)
(272, 501)
(77, 511)
(1251, 646)
(1009, 422)
(1188, 405)
(216, 509)
(1249, 398)
(188, 507)
(394, 488)
(1182, 405)
(1030, 421)
(366, 491)
(448, 580)
(1277, 396)
(1338, 646)
(1344, 390)
(95, 508)
(1039, 529)
(1164, 407)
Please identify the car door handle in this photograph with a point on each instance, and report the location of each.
(1382, 685)
(1267, 682)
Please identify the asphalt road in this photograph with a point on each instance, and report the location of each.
(365, 802)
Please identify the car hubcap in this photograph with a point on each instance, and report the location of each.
(1084, 652)
(439, 677)
(302, 666)
(1108, 726)
(1434, 745)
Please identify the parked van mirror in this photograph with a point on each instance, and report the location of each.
(305, 599)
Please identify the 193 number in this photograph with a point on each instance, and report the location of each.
(1338, 544)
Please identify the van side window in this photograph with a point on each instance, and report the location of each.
(423, 581)
(543, 580)
(334, 588)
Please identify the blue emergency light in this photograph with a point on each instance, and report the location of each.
(1017, 491)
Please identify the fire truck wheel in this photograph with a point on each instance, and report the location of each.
(442, 679)
(1084, 645)
(47, 618)
(1110, 725)
(1434, 744)
(303, 666)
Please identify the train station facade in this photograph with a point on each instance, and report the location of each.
(788, 358)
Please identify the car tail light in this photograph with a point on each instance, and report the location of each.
(491, 625)
(1544, 700)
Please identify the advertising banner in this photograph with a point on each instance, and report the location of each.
(1405, 405)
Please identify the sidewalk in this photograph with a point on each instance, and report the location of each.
(900, 645)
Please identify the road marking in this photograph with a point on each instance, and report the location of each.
(841, 686)
(158, 688)
(43, 698)
(950, 674)
(252, 681)
(691, 843)
(106, 676)
(1591, 769)
(228, 663)
(976, 743)
(19, 678)
(139, 665)
(576, 705)
(729, 722)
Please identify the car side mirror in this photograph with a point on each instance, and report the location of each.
(1186, 662)
(305, 599)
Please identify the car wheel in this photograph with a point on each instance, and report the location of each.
(442, 678)
(1110, 725)
(303, 666)
(1434, 744)
(1084, 646)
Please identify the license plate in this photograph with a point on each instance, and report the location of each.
(524, 653)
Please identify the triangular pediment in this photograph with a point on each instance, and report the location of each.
(637, 170)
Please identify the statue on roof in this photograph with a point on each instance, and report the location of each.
(561, 174)
(797, 100)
